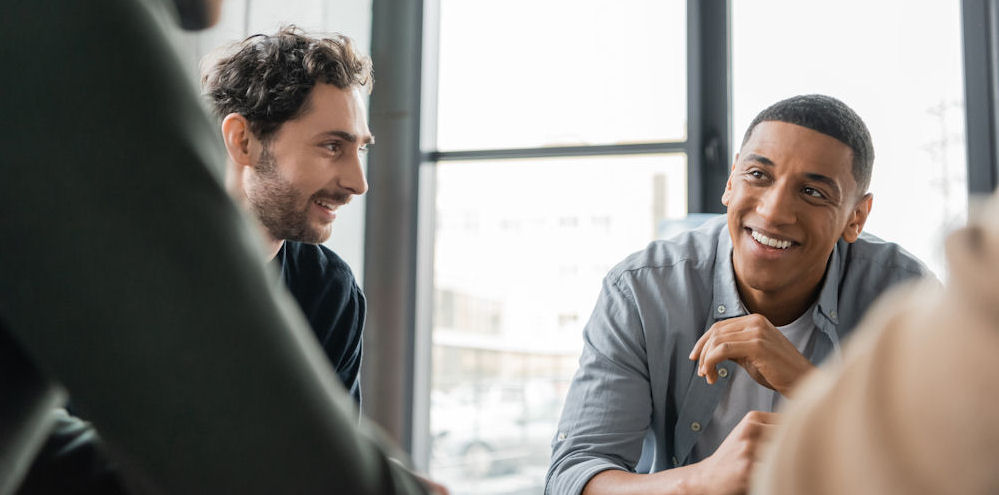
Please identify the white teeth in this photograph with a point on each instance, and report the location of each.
(774, 243)
(325, 205)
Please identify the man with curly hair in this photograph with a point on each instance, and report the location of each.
(133, 282)
(294, 125)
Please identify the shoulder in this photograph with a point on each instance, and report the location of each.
(875, 256)
(690, 251)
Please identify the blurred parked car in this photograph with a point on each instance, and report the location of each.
(493, 429)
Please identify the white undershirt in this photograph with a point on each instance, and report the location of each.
(744, 394)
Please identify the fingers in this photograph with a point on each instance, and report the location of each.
(434, 487)
(696, 353)
(762, 417)
(756, 425)
(754, 429)
(730, 325)
(722, 351)
(757, 428)
(743, 339)
(715, 329)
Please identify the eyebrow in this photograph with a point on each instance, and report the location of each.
(346, 136)
(762, 160)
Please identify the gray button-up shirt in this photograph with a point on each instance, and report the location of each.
(635, 382)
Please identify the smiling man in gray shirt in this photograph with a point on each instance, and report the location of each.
(694, 340)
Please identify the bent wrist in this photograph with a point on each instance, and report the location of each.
(686, 480)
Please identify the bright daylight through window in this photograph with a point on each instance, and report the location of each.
(521, 245)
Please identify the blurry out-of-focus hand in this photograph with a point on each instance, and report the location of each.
(434, 487)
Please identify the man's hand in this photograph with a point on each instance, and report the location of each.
(725, 472)
(728, 469)
(756, 345)
(434, 487)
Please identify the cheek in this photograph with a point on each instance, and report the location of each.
(306, 176)
(828, 225)
(739, 197)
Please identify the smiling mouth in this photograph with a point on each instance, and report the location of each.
(770, 241)
(327, 205)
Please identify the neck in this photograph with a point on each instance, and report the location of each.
(779, 307)
(271, 245)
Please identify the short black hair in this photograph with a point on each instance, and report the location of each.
(831, 117)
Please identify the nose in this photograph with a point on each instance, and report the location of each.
(775, 206)
(352, 179)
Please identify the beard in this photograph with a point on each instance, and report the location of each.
(283, 210)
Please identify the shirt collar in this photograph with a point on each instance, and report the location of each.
(726, 302)
(829, 295)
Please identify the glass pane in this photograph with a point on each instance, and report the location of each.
(528, 73)
(898, 64)
(521, 249)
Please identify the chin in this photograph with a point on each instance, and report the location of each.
(764, 281)
(318, 236)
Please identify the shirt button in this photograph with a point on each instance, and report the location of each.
(695, 426)
(561, 436)
(832, 314)
(675, 462)
(723, 372)
(721, 308)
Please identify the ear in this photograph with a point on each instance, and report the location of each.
(236, 135)
(855, 224)
(728, 184)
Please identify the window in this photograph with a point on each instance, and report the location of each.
(543, 182)
(524, 73)
(897, 64)
(506, 328)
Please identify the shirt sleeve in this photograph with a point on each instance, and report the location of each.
(134, 281)
(609, 406)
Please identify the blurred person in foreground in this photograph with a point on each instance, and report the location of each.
(131, 281)
(695, 340)
(913, 408)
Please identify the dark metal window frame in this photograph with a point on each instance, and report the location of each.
(981, 85)
(709, 98)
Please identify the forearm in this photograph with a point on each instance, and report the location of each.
(678, 481)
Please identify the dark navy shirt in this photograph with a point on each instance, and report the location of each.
(325, 289)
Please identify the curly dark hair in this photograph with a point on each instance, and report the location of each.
(831, 117)
(268, 78)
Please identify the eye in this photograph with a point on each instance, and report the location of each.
(756, 175)
(813, 192)
(333, 147)
(363, 149)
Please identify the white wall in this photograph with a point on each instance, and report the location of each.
(241, 18)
